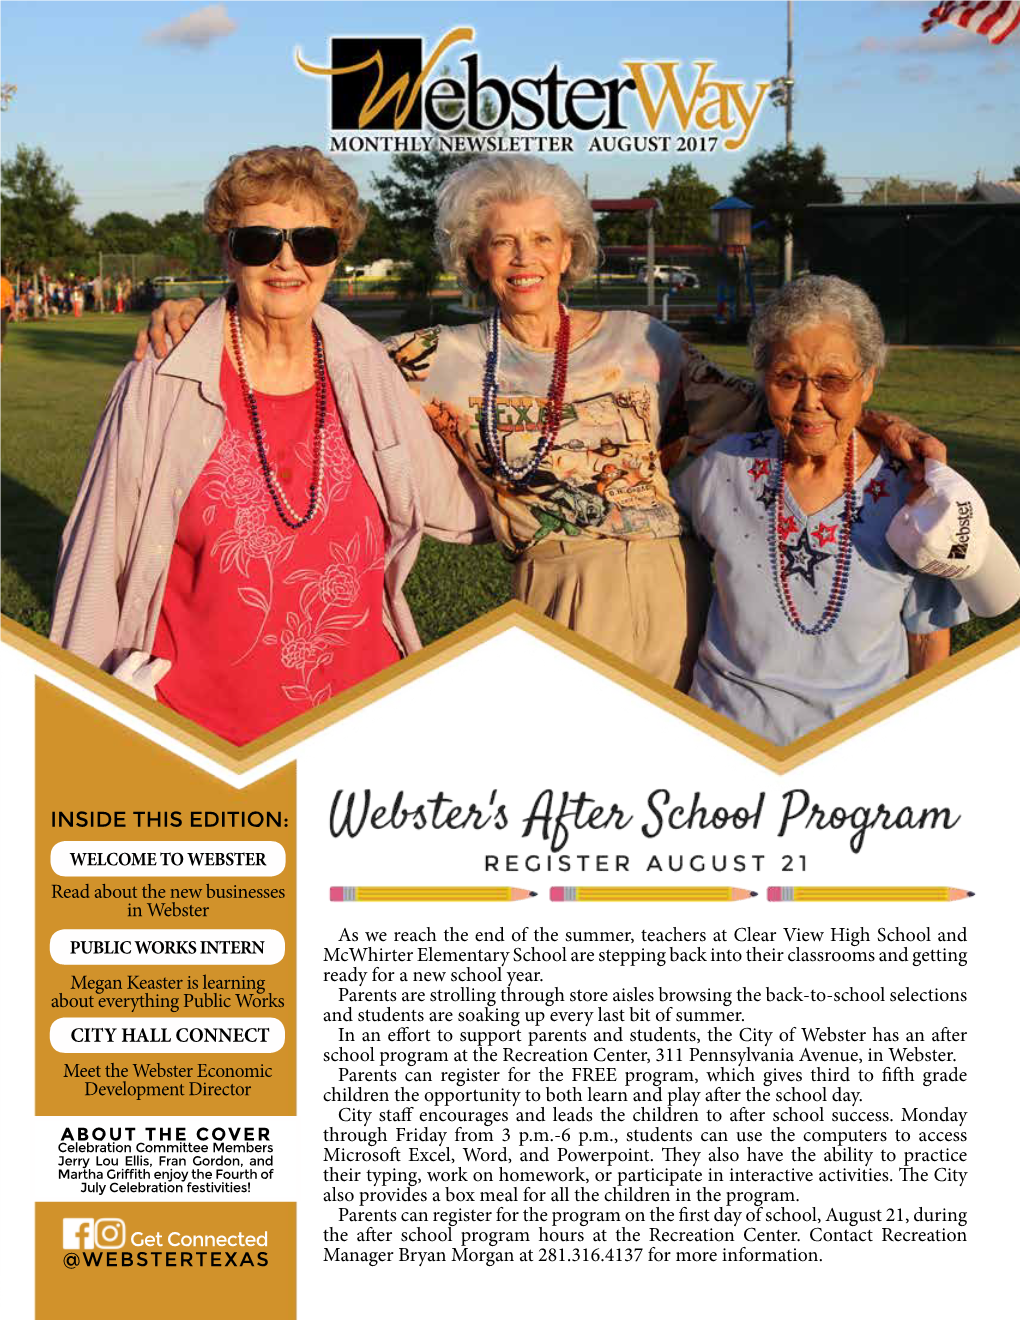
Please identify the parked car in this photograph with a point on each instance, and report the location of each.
(383, 269)
(162, 287)
(677, 277)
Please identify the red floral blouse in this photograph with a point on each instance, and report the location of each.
(261, 622)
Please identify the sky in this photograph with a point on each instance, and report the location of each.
(141, 104)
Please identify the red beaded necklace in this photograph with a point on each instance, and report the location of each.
(288, 515)
(841, 576)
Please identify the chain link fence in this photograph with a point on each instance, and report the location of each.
(139, 266)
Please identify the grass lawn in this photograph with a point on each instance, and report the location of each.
(57, 375)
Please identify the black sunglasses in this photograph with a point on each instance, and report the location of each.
(258, 245)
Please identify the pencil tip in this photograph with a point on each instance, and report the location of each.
(970, 893)
(752, 893)
(533, 893)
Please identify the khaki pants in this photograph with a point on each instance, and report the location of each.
(646, 601)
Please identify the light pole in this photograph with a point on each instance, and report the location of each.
(650, 253)
(782, 94)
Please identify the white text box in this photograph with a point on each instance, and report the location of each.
(160, 858)
(195, 947)
(170, 1035)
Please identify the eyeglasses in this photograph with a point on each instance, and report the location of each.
(258, 245)
(830, 383)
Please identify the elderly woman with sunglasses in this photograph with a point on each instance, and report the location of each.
(253, 504)
(813, 613)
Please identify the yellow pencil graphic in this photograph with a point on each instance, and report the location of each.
(427, 894)
(648, 894)
(866, 894)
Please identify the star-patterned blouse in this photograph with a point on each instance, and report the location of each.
(754, 665)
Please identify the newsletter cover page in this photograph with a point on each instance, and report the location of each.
(510, 619)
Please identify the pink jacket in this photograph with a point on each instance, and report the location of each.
(158, 430)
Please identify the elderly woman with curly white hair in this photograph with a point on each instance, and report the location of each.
(563, 417)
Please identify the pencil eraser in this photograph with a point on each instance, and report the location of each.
(775, 894)
(556, 894)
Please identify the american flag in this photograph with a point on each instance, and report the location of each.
(989, 19)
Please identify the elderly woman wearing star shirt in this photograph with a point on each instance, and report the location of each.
(812, 612)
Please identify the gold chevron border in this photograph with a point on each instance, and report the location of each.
(512, 615)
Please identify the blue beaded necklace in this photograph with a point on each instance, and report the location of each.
(841, 577)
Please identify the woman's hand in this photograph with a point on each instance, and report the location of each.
(904, 441)
(169, 318)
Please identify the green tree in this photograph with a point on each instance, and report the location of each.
(181, 235)
(37, 213)
(685, 198)
(1016, 173)
(408, 197)
(896, 191)
(379, 239)
(781, 184)
(120, 231)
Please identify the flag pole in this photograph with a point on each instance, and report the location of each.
(788, 237)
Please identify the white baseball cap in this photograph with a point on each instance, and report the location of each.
(947, 532)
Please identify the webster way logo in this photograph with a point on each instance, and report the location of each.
(386, 86)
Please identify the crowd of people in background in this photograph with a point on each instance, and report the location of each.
(45, 295)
